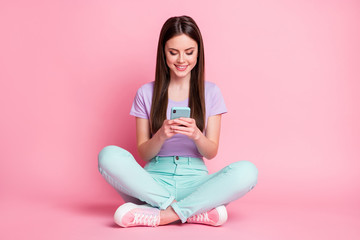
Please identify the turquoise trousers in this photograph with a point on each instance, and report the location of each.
(184, 179)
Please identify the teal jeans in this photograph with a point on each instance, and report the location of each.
(184, 179)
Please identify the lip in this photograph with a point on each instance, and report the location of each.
(181, 67)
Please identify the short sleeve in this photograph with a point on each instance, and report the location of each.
(138, 108)
(216, 100)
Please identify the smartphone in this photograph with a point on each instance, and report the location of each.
(178, 112)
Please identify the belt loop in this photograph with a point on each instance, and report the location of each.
(189, 160)
(157, 159)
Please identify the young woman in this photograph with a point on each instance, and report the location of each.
(175, 184)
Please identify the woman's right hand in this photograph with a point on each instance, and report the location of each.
(166, 132)
(150, 147)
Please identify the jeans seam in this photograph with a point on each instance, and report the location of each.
(177, 210)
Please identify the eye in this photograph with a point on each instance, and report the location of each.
(190, 53)
(172, 53)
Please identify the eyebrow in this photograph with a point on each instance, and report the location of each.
(185, 49)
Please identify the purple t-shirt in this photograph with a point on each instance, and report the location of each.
(178, 145)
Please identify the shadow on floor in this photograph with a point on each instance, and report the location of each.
(100, 209)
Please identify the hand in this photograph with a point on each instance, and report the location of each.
(186, 126)
(166, 131)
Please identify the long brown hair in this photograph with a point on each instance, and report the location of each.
(175, 26)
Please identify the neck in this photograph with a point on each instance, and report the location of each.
(179, 88)
(180, 82)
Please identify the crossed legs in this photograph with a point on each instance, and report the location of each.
(121, 170)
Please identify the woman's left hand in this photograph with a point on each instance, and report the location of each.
(187, 126)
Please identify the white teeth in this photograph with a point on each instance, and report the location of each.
(181, 67)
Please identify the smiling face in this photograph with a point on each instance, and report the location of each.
(181, 56)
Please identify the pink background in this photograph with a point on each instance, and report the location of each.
(289, 72)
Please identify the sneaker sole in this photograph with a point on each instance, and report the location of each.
(223, 216)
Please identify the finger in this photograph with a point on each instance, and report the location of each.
(181, 122)
(189, 120)
(171, 132)
(169, 122)
(173, 122)
(182, 132)
(180, 128)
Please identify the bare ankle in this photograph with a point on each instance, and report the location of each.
(168, 216)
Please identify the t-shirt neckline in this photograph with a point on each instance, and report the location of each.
(170, 100)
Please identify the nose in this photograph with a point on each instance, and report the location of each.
(181, 58)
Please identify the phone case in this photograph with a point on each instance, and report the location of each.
(177, 112)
